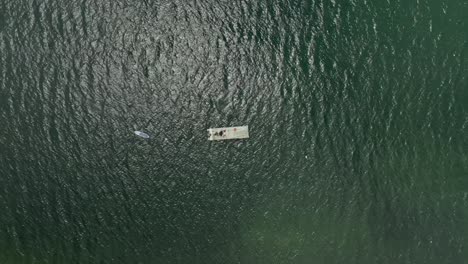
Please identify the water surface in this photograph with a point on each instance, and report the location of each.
(358, 119)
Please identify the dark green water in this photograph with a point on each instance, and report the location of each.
(358, 115)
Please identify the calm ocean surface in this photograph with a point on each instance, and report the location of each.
(358, 116)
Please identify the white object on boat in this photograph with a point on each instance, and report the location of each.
(224, 133)
(142, 134)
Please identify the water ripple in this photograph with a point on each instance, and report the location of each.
(357, 113)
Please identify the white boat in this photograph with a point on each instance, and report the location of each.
(224, 133)
(142, 134)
